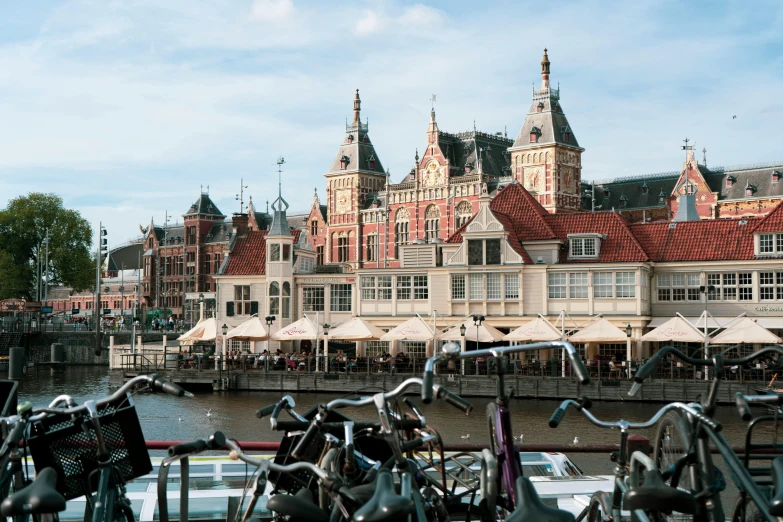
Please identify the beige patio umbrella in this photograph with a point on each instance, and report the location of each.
(356, 329)
(298, 330)
(251, 330)
(484, 333)
(601, 331)
(205, 330)
(536, 330)
(746, 330)
(675, 329)
(414, 329)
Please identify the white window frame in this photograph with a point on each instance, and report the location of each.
(603, 285)
(511, 286)
(492, 284)
(770, 244)
(312, 297)
(578, 285)
(625, 285)
(584, 246)
(368, 288)
(557, 284)
(458, 287)
(340, 300)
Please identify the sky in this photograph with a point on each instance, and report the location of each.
(127, 108)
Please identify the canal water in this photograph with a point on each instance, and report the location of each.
(171, 418)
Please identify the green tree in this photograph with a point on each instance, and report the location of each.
(23, 227)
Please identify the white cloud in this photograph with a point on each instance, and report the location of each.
(411, 18)
(272, 10)
(368, 24)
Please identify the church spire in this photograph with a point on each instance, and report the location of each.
(357, 108)
(545, 72)
(279, 221)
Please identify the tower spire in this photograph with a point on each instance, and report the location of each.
(545, 72)
(357, 108)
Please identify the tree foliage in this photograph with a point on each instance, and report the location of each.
(23, 226)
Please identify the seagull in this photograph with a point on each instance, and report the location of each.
(465, 437)
(576, 440)
(519, 439)
(180, 419)
(734, 117)
(209, 412)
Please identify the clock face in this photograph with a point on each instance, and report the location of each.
(534, 178)
(343, 201)
(432, 175)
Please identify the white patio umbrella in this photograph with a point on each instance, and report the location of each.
(483, 334)
(675, 329)
(536, 330)
(414, 329)
(746, 330)
(298, 330)
(251, 330)
(356, 329)
(601, 331)
(205, 330)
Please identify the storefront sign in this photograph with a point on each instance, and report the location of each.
(12, 305)
(769, 309)
(326, 281)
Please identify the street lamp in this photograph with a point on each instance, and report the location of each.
(709, 289)
(269, 320)
(200, 307)
(628, 331)
(477, 320)
(326, 347)
(462, 330)
(225, 331)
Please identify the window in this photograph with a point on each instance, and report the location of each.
(274, 252)
(420, 289)
(512, 286)
(770, 243)
(401, 230)
(493, 286)
(342, 249)
(286, 302)
(314, 228)
(771, 286)
(384, 288)
(626, 284)
(476, 286)
(557, 286)
(431, 223)
(286, 252)
(313, 298)
(341, 298)
(577, 282)
(745, 287)
(672, 287)
(730, 286)
(376, 348)
(319, 255)
(483, 251)
(368, 288)
(583, 247)
(403, 288)
(274, 298)
(372, 247)
(602, 284)
(191, 235)
(463, 212)
(242, 299)
(457, 287)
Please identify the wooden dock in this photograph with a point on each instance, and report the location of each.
(657, 390)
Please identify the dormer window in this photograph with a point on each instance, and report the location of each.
(344, 162)
(584, 246)
(607, 193)
(371, 161)
(730, 180)
(366, 139)
(661, 197)
(770, 244)
(350, 138)
(623, 201)
(468, 167)
(645, 189)
(566, 131)
(465, 151)
(750, 189)
(540, 107)
(776, 175)
(535, 134)
(412, 175)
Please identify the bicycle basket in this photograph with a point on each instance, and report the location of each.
(69, 446)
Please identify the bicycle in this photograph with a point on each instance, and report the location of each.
(682, 443)
(502, 448)
(96, 447)
(647, 495)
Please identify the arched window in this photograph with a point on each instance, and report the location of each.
(274, 298)
(342, 248)
(401, 230)
(464, 212)
(431, 223)
(286, 300)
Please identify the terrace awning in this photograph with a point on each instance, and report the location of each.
(536, 330)
(356, 329)
(298, 330)
(251, 330)
(746, 331)
(414, 329)
(483, 334)
(675, 329)
(205, 330)
(601, 331)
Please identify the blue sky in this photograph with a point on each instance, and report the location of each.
(126, 107)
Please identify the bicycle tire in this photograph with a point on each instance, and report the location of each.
(674, 431)
(124, 513)
(492, 409)
(745, 510)
(595, 509)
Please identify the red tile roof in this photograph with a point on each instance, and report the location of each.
(620, 245)
(705, 240)
(249, 255)
(525, 215)
(772, 222)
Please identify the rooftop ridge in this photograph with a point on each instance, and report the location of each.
(477, 134)
(711, 170)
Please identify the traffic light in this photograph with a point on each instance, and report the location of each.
(104, 242)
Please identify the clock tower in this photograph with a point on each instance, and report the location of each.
(355, 173)
(545, 157)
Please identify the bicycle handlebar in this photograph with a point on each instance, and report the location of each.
(559, 413)
(402, 424)
(743, 403)
(215, 441)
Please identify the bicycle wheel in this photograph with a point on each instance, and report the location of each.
(672, 440)
(745, 510)
(492, 410)
(597, 507)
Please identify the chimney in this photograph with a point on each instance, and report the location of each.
(239, 224)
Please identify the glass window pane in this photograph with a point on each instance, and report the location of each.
(493, 286)
(477, 286)
(493, 251)
(475, 252)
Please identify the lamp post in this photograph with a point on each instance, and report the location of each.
(200, 307)
(628, 331)
(269, 320)
(225, 331)
(462, 330)
(326, 347)
(706, 290)
(477, 320)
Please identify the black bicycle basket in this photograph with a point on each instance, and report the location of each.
(69, 446)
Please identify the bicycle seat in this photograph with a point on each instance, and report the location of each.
(776, 503)
(385, 504)
(531, 509)
(656, 495)
(299, 507)
(39, 497)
